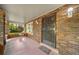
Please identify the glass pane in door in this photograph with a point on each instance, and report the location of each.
(48, 28)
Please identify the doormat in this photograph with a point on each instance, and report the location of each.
(45, 49)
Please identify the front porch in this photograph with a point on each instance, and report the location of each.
(25, 46)
(39, 31)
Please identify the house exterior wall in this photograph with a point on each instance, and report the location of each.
(37, 29)
(37, 26)
(67, 31)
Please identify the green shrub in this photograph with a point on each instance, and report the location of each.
(15, 29)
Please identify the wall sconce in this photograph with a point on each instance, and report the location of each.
(36, 22)
(70, 12)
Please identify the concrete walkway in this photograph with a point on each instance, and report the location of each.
(22, 46)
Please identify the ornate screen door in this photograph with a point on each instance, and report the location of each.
(48, 31)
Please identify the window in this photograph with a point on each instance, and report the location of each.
(29, 28)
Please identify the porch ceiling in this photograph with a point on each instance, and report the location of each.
(27, 12)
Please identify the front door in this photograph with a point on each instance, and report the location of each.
(48, 31)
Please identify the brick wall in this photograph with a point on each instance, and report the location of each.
(67, 31)
(37, 29)
(37, 25)
(1, 32)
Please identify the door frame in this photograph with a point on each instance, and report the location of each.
(42, 28)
